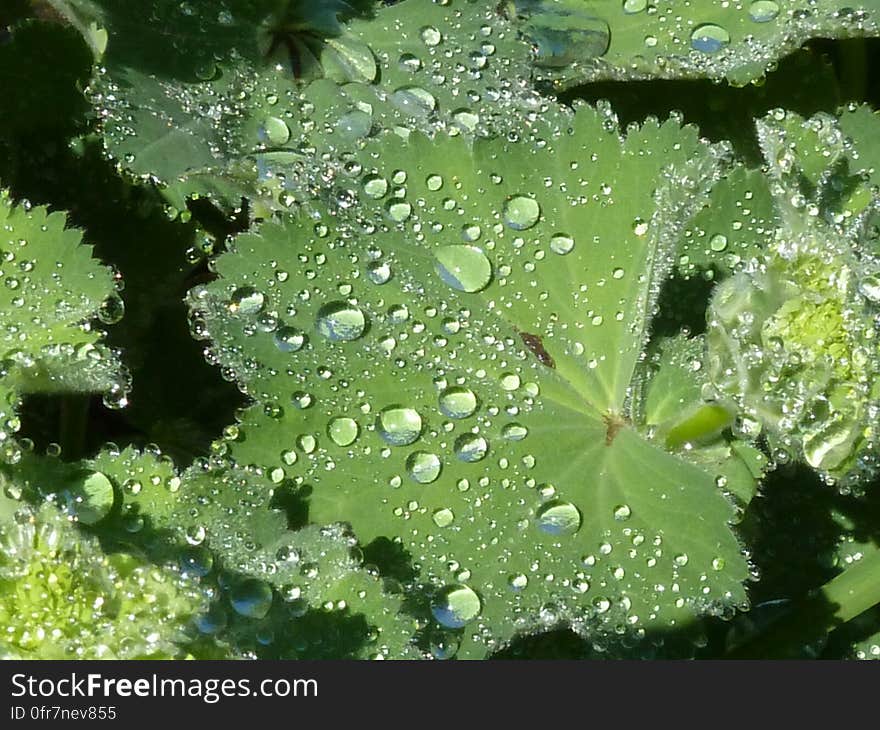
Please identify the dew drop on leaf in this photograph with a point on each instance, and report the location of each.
(709, 38)
(251, 599)
(763, 11)
(343, 431)
(558, 517)
(470, 447)
(341, 322)
(465, 268)
(247, 301)
(423, 466)
(562, 244)
(454, 606)
(458, 402)
(289, 339)
(521, 212)
(399, 425)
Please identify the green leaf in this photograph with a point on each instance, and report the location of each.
(447, 365)
(224, 525)
(226, 120)
(575, 42)
(735, 225)
(52, 292)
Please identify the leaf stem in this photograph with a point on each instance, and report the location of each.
(841, 599)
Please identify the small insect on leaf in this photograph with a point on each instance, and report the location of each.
(533, 342)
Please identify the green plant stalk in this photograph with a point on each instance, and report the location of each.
(841, 599)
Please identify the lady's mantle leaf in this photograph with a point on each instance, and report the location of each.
(51, 293)
(444, 360)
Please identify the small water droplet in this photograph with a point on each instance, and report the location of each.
(251, 599)
(247, 301)
(289, 339)
(275, 131)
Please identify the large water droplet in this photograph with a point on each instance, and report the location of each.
(458, 402)
(463, 267)
(558, 517)
(399, 425)
(341, 322)
(521, 212)
(454, 606)
(709, 38)
(423, 466)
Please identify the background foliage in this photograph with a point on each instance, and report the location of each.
(439, 329)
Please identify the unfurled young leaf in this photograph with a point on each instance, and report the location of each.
(793, 337)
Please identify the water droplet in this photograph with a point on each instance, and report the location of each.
(470, 447)
(289, 339)
(562, 244)
(640, 227)
(558, 517)
(399, 425)
(247, 301)
(514, 432)
(518, 581)
(423, 466)
(431, 36)
(458, 402)
(341, 322)
(343, 431)
(398, 210)
(631, 7)
(379, 272)
(521, 212)
(622, 512)
(454, 606)
(275, 131)
(414, 100)
(375, 186)
(709, 38)
(763, 11)
(465, 268)
(718, 242)
(870, 288)
(251, 599)
(443, 517)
